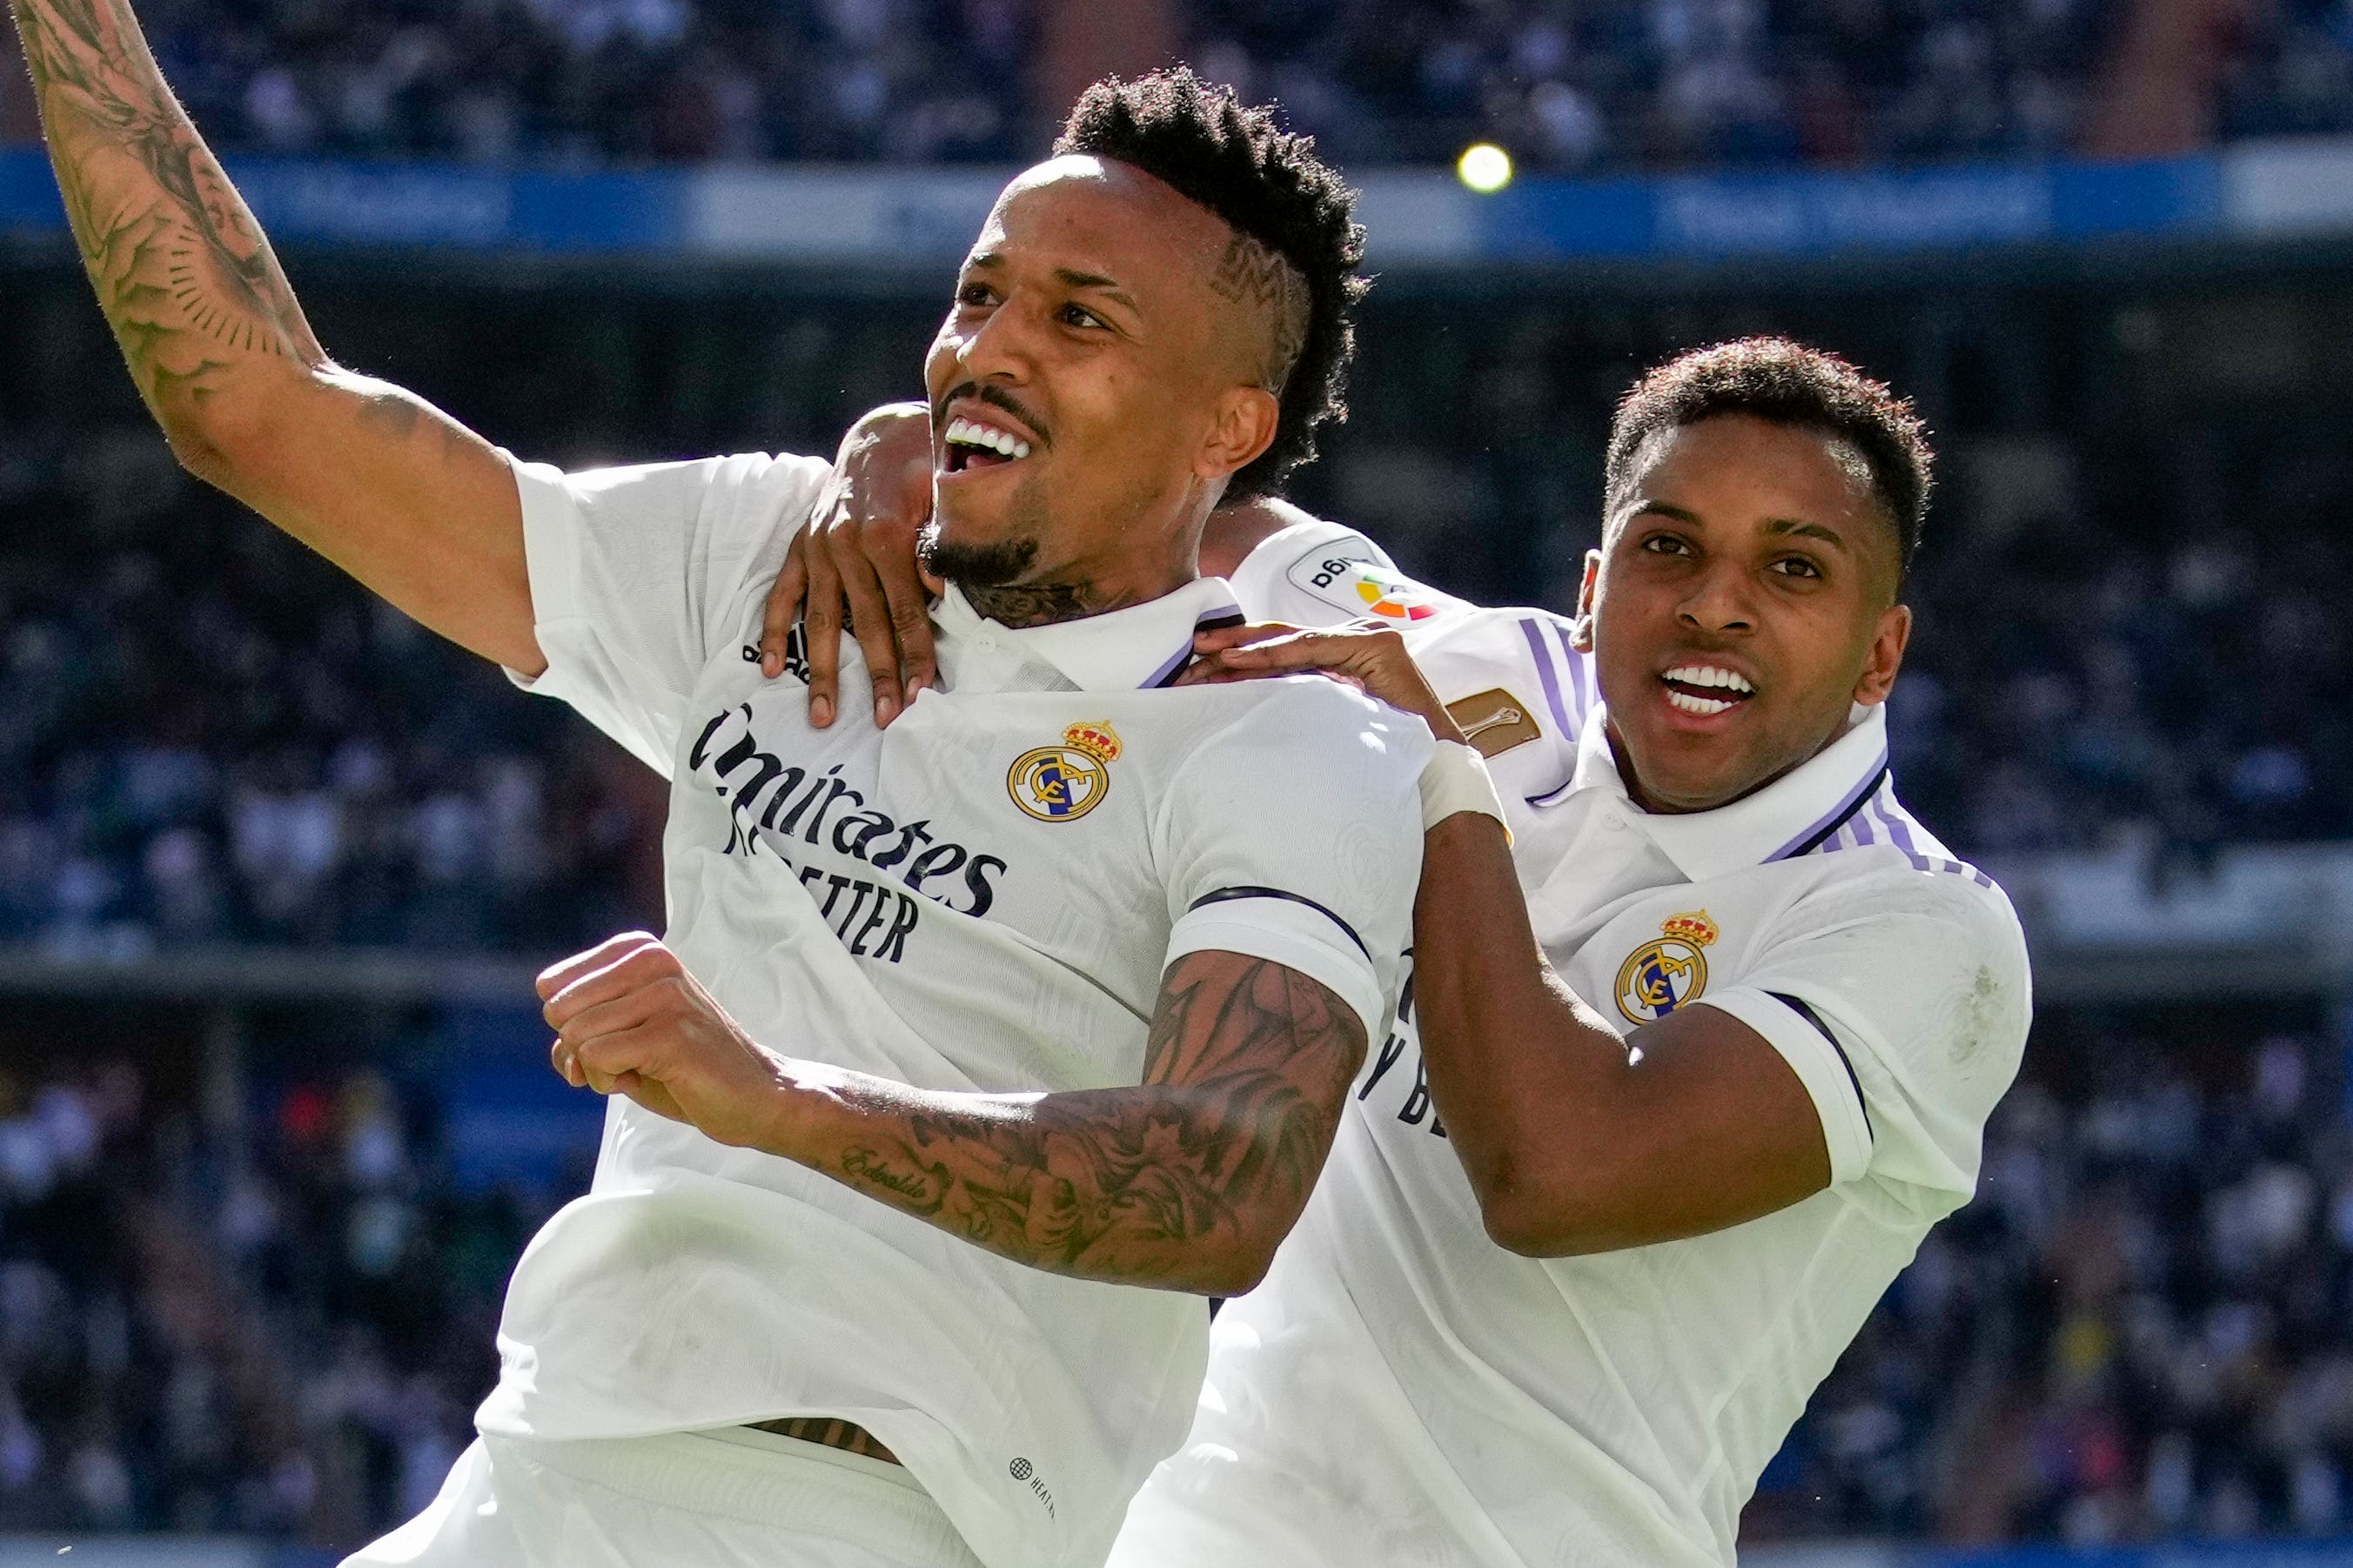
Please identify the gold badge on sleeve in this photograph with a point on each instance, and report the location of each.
(1659, 976)
(1062, 783)
(1495, 721)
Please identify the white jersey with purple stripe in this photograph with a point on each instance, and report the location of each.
(1510, 678)
(1402, 1391)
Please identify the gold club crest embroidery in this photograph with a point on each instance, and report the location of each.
(1659, 976)
(1062, 783)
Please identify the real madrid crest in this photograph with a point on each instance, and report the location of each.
(1062, 784)
(1659, 976)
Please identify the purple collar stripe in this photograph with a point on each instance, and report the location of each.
(1211, 620)
(1837, 817)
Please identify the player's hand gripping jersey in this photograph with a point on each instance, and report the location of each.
(982, 898)
(1403, 1391)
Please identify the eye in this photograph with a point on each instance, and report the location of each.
(1079, 316)
(975, 293)
(1667, 544)
(1796, 567)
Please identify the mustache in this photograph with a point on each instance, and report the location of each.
(996, 397)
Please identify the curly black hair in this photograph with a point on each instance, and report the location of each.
(1786, 383)
(1269, 187)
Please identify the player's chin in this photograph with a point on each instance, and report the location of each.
(1696, 760)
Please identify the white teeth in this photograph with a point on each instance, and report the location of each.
(1711, 675)
(1702, 706)
(972, 433)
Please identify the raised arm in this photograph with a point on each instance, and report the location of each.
(1185, 1182)
(396, 494)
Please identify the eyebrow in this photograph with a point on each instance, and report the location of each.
(1779, 525)
(1069, 277)
(1109, 286)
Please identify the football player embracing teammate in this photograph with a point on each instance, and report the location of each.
(1701, 1037)
(1067, 1049)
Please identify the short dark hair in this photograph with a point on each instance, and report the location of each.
(1786, 383)
(1269, 186)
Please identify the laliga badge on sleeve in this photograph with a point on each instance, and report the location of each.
(1659, 976)
(1362, 588)
(1062, 783)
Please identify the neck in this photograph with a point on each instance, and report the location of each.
(1081, 592)
(1022, 605)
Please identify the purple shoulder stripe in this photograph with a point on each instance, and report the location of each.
(1894, 827)
(1547, 675)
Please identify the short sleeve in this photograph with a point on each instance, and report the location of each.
(635, 572)
(1319, 574)
(1902, 1003)
(1294, 833)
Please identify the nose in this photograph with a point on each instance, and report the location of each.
(1719, 601)
(1000, 348)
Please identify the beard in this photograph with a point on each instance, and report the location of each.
(997, 564)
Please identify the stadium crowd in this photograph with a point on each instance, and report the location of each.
(278, 1320)
(1618, 85)
(2139, 1331)
(207, 735)
(281, 1335)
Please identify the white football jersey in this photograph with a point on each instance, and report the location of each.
(1401, 1391)
(981, 897)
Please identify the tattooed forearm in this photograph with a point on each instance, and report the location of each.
(1185, 1183)
(182, 270)
(1256, 275)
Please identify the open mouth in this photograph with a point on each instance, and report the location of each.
(969, 445)
(1704, 691)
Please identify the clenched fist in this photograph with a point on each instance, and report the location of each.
(629, 1019)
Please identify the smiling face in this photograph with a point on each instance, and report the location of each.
(1742, 600)
(1092, 388)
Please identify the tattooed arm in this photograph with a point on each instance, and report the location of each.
(419, 508)
(1185, 1182)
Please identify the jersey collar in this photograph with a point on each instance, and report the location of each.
(1787, 817)
(1119, 650)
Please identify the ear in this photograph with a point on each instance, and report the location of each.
(1581, 632)
(1888, 640)
(1242, 429)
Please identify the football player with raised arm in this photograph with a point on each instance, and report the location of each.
(978, 1051)
(1691, 1058)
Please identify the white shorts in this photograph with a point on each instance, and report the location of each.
(735, 1499)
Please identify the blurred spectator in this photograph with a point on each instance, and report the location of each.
(1612, 86)
(298, 1357)
(2137, 1332)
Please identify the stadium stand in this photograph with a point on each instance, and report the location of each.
(1627, 85)
(2126, 626)
(251, 1248)
(272, 1316)
(2137, 1331)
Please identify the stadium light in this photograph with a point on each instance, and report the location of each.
(1484, 167)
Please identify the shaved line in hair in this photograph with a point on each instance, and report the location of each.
(1256, 274)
